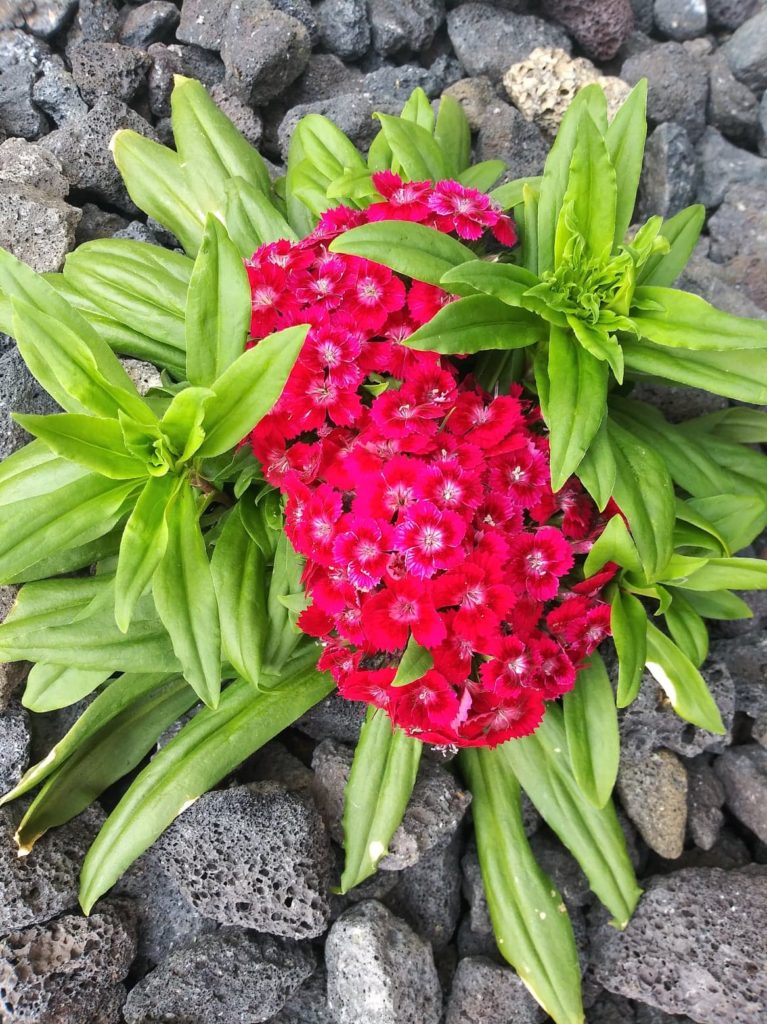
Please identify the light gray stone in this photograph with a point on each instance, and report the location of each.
(653, 791)
(344, 27)
(681, 19)
(732, 107)
(677, 85)
(37, 228)
(484, 991)
(705, 796)
(746, 52)
(308, 1004)
(14, 745)
(743, 771)
(670, 173)
(263, 50)
(202, 22)
(724, 165)
(28, 164)
(407, 26)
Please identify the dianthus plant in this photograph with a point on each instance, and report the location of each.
(393, 453)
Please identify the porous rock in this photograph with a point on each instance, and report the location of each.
(732, 107)
(37, 228)
(653, 791)
(108, 69)
(230, 977)
(695, 945)
(739, 226)
(705, 796)
(256, 856)
(17, 47)
(14, 745)
(191, 61)
(670, 172)
(643, 16)
(144, 375)
(743, 772)
(544, 85)
(705, 278)
(724, 165)
(96, 21)
(379, 971)
(677, 85)
(68, 971)
(55, 92)
(344, 27)
(148, 23)
(562, 869)
(730, 13)
(681, 19)
(19, 115)
(308, 1004)
(46, 17)
(746, 52)
(600, 26)
(428, 895)
(484, 991)
(487, 39)
(11, 673)
(275, 763)
(25, 163)
(202, 22)
(504, 134)
(333, 718)
(240, 114)
(475, 95)
(82, 147)
(19, 392)
(263, 50)
(435, 811)
(396, 26)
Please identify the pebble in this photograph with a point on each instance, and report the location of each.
(724, 165)
(484, 991)
(475, 95)
(681, 19)
(47, 17)
(55, 92)
(14, 745)
(732, 107)
(396, 26)
(344, 27)
(670, 173)
(19, 115)
(653, 791)
(739, 226)
(428, 895)
(263, 50)
(148, 23)
(202, 22)
(504, 134)
(730, 14)
(746, 52)
(677, 85)
(743, 772)
(333, 718)
(96, 22)
(37, 228)
(705, 797)
(599, 26)
(109, 69)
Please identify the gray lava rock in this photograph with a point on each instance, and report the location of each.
(650, 722)
(653, 791)
(643, 15)
(82, 146)
(190, 61)
(747, 660)
(148, 23)
(475, 95)
(600, 26)
(202, 22)
(436, 807)
(746, 52)
(730, 13)
(231, 977)
(19, 392)
(325, 76)
(17, 47)
(379, 971)
(55, 92)
(739, 226)
(69, 970)
(18, 114)
(484, 991)
(678, 403)
(98, 223)
(344, 27)
(708, 279)
(45, 882)
(761, 131)
(705, 796)
(242, 116)
(37, 228)
(12, 674)
(732, 107)
(255, 856)
(333, 718)
(399, 26)
(474, 892)
(96, 22)
(562, 869)
(505, 135)
(743, 771)
(24, 163)
(428, 895)
(696, 945)
(108, 69)
(670, 173)
(681, 19)
(14, 745)
(488, 40)
(724, 165)
(263, 50)
(308, 1004)
(678, 85)
(47, 17)
(275, 763)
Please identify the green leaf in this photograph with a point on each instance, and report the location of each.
(34, 528)
(414, 149)
(181, 425)
(614, 544)
(325, 148)
(591, 727)
(382, 777)
(503, 281)
(591, 193)
(203, 753)
(89, 441)
(248, 389)
(409, 249)
(597, 468)
(34, 470)
(239, 577)
(476, 324)
(682, 231)
(414, 663)
(593, 835)
(218, 308)
(251, 219)
(50, 687)
(736, 424)
(576, 403)
(688, 321)
(682, 682)
(453, 135)
(628, 622)
(687, 629)
(186, 599)
(530, 921)
(599, 343)
(511, 193)
(418, 110)
(106, 755)
(153, 175)
(645, 494)
(483, 175)
(137, 284)
(211, 149)
(143, 546)
(283, 635)
(738, 518)
(81, 556)
(729, 574)
(625, 140)
(530, 252)
(718, 604)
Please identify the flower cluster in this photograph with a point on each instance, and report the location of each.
(421, 504)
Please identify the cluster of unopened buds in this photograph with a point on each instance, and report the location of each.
(421, 504)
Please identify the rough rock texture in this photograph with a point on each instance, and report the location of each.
(19, 392)
(144, 375)
(14, 745)
(379, 971)
(149, 23)
(232, 977)
(263, 50)
(25, 163)
(396, 26)
(670, 173)
(600, 26)
(475, 95)
(37, 228)
(428, 895)
(730, 13)
(435, 811)
(484, 991)
(705, 796)
(743, 771)
(678, 85)
(487, 40)
(68, 971)
(308, 1004)
(746, 52)
(504, 134)
(696, 945)
(653, 791)
(255, 856)
(202, 22)
(108, 69)
(333, 718)
(344, 27)
(739, 226)
(18, 114)
(55, 92)
(724, 165)
(732, 107)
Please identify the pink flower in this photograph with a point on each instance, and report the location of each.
(426, 300)
(402, 607)
(363, 547)
(375, 293)
(538, 560)
(463, 210)
(430, 702)
(429, 539)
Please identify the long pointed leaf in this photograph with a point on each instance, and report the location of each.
(591, 727)
(625, 144)
(407, 248)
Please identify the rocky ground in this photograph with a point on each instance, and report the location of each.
(228, 919)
